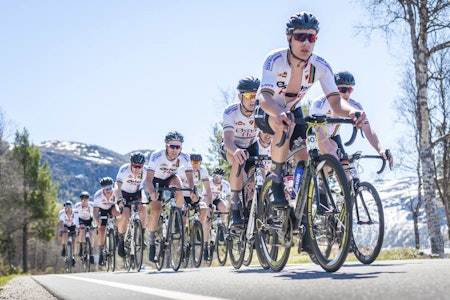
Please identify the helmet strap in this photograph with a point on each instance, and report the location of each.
(295, 56)
(245, 108)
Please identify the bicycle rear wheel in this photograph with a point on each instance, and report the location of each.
(110, 251)
(274, 231)
(368, 223)
(138, 244)
(197, 243)
(236, 246)
(176, 238)
(221, 244)
(329, 209)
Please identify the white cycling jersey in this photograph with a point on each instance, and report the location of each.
(265, 151)
(244, 127)
(163, 167)
(277, 72)
(321, 106)
(101, 201)
(68, 220)
(130, 182)
(84, 213)
(199, 176)
(221, 190)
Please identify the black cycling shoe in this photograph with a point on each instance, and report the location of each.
(206, 253)
(80, 253)
(121, 249)
(91, 259)
(279, 198)
(74, 262)
(152, 254)
(101, 261)
(63, 252)
(236, 220)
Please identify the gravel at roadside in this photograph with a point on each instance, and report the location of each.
(24, 287)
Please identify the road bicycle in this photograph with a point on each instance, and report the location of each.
(194, 236)
(134, 240)
(69, 258)
(241, 240)
(218, 236)
(86, 257)
(319, 217)
(368, 215)
(169, 238)
(110, 244)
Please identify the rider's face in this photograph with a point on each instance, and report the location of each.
(301, 49)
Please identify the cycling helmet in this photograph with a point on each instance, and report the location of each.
(344, 77)
(219, 171)
(302, 20)
(68, 203)
(248, 84)
(174, 136)
(106, 181)
(196, 157)
(137, 158)
(85, 195)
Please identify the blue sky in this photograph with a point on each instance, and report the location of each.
(121, 74)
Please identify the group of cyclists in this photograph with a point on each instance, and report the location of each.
(265, 111)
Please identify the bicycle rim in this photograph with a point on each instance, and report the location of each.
(138, 244)
(127, 259)
(160, 243)
(236, 247)
(176, 239)
(197, 244)
(329, 213)
(110, 252)
(274, 231)
(368, 223)
(70, 251)
(221, 245)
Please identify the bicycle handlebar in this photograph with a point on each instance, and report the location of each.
(320, 119)
(357, 155)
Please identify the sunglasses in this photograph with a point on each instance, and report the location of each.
(217, 176)
(136, 166)
(345, 89)
(301, 37)
(174, 146)
(249, 95)
(196, 162)
(109, 188)
(84, 198)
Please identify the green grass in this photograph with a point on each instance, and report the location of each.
(5, 279)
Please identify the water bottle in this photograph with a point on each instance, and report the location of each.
(299, 169)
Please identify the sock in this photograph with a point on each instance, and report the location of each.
(235, 199)
(277, 172)
(152, 235)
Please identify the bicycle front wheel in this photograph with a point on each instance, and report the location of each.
(160, 243)
(110, 251)
(368, 223)
(197, 243)
(176, 238)
(221, 244)
(138, 244)
(329, 213)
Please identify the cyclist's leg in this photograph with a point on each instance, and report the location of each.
(152, 225)
(236, 188)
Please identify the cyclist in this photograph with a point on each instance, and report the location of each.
(287, 75)
(201, 180)
(320, 106)
(104, 205)
(221, 191)
(239, 133)
(162, 169)
(67, 226)
(84, 213)
(128, 188)
(264, 143)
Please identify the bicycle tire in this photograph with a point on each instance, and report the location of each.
(138, 244)
(160, 244)
(197, 240)
(368, 223)
(329, 214)
(127, 259)
(236, 247)
(69, 256)
(186, 254)
(274, 231)
(248, 253)
(176, 238)
(221, 244)
(67, 261)
(86, 265)
(110, 253)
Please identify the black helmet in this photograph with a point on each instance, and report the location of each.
(68, 203)
(106, 181)
(344, 77)
(174, 136)
(137, 158)
(219, 171)
(248, 84)
(302, 20)
(85, 195)
(196, 157)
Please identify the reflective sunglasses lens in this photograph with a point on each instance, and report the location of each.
(249, 95)
(301, 37)
(137, 166)
(174, 146)
(109, 188)
(196, 162)
(345, 89)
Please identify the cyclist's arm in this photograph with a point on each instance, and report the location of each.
(118, 189)
(238, 154)
(372, 137)
(342, 108)
(207, 188)
(96, 211)
(274, 109)
(149, 184)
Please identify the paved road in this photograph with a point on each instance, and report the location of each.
(408, 279)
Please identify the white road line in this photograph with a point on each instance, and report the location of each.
(146, 290)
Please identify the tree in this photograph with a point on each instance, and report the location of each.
(38, 199)
(427, 25)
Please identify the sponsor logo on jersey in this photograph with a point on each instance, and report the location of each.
(283, 75)
(231, 109)
(239, 123)
(324, 62)
(268, 65)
